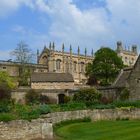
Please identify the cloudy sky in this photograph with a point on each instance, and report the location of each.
(87, 23)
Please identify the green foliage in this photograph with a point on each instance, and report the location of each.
(32, 97)
(5, 79)
(6, 117)
(5, 106)
(5, 92)
(87, 95)
(44, 109)
(124, 95)
(105, 66)
(67, 99)
(24, 76)
(68, 107)
(130, 104)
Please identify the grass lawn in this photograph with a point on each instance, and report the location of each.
(103, 130)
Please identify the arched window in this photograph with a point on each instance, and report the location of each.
(125, 59)
(58, 64)
(75, 66)
(82, 67)
(45, 60)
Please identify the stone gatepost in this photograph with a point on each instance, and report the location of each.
(47, 131)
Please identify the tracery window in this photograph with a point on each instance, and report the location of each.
(75, 66)
(58, 64)
(82, 67)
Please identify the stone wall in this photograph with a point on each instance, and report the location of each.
(110, 92)
(52, 85)
(42, 128)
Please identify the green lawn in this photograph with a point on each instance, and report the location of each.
(103, 130)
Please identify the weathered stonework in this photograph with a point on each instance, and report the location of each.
(43, 128)
(52, 85)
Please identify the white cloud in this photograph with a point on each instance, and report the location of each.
(118, 20)
(9, 6)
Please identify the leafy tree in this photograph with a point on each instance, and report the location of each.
(87, 95)
(23, 55)
(6, 84)
(7, 80)
(105, 66)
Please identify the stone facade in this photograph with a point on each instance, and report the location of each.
(13, 68)
(52, 85)
(129, 57)
(42, 128)
(128, 78)
(64, 62)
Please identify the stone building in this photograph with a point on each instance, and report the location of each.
(130, 78)
(65, 62)
(52, 61)
(129, 57)
(14, 68)
(52, 81)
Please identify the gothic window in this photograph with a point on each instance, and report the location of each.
(58, 64)
(74, 66)
(125, 59)
(82, 67)
(45, 60)
(67, 67)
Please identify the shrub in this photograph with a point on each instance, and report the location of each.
(44, 109)
(124, 95)
(5, 92)
(32, 97)
(44, 99)
(27, 112)
(120, 104)
(67, 99)
(87, 95)
(72, 106)
(5, 107)
(5, 117)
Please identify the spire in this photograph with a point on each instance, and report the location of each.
(63, 47)
(50, 46)
(85, 51)
(78, 50)
(92, 53)
(70, 49)
(44, 47)
(53, 46)
(37, 52)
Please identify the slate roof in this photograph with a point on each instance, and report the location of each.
(122, 78)
(51, 77)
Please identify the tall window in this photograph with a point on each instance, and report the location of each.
(58, 64)
(82, 67)
(45, 60)
(74, 66)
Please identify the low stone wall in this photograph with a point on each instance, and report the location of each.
(43, 127)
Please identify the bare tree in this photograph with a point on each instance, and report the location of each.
(22, 53)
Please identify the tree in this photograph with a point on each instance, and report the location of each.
(23, 55)
(105, 66)
(6, 84)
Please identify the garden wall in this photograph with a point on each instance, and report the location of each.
(42, 128)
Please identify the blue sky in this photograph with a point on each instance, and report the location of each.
(84, 23)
